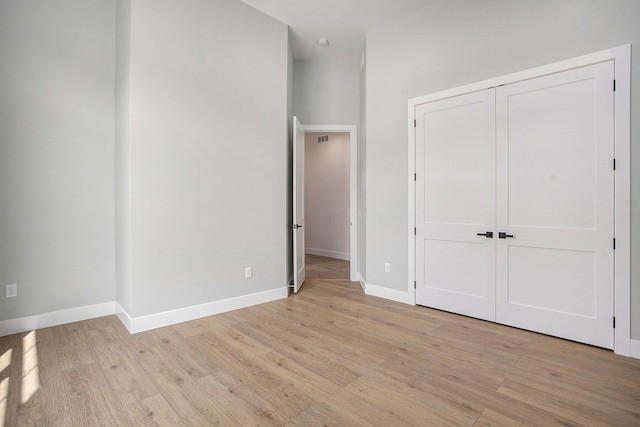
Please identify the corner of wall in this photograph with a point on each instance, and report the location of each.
(634, 347)
(158, 320)
(55, 318)
(123, 293)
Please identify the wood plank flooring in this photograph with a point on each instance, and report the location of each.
(329, 355)
(319, 267)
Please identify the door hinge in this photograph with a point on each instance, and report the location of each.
(415, 285)
(415, 176)
(414, 123)
(614, 243)
(614, 322)
(614, 164)
(415, 231)
(614, 85)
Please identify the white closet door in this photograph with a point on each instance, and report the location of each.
(555, 183)
(455, 200)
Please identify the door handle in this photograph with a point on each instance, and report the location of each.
(295, 226)
(488, 234)
(503, 235)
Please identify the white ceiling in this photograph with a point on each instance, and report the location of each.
(343, 22)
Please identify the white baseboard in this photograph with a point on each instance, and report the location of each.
(363, 282)
(123, 316)
(634, 349)
(159, 320)
(55, 318)
(329, 254)
(388, 293)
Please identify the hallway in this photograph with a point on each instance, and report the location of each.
(319, 267)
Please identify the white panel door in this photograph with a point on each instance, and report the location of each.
(455, 203)
(555, 182)
(298, 206)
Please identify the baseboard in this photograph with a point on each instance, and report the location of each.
(388, 293)
(329, 254)
(363, 282)
(167, 318)
(55, 318)
(123, 316)
(634, 349)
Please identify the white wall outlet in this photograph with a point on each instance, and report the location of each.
(11, 290)
(247, 273)
(387, 267)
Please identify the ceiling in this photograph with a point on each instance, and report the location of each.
(343, 22)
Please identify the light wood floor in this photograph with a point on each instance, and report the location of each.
(319, 267)
(327, 356)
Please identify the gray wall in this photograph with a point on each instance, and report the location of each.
(207, 154)
(456, 42)
(122, 158)
(56, 154)
(362, 171)
(327, 92)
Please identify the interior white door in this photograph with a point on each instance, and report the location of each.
(455, 204)
(555, 181)
(298, 206)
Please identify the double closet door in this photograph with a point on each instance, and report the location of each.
(515, 204)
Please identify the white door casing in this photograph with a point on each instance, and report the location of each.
(621, 58)
(298, 206)
(455, 193)
(555, 151)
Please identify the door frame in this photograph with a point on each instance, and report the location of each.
(352, 130)
(622, 269)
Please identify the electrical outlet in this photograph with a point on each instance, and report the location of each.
(247, 273)
(11, 291)
(387, 267)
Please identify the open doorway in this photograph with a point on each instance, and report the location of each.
(330, 194)
(326, 199)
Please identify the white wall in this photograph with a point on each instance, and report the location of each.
(452, 43)
(206, 154)
(326, 195)
(327, 92)
(56, 154)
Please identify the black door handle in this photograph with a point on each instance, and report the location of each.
(503, 235)
(295, 226)
(488, 234)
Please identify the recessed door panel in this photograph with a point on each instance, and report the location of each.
(455, 267)
(552, 154)
(534, 274)
(457, 177)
